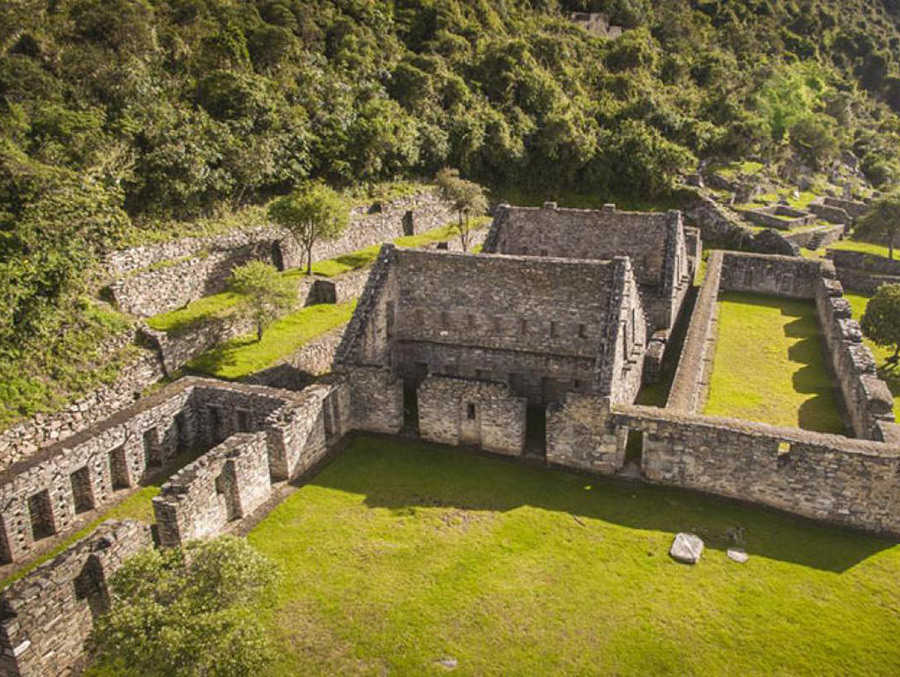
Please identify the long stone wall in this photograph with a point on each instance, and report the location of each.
(787, 276)
(690, 385)
(158, 278)
(46, 617)
(867, 399)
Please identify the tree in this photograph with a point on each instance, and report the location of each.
(881, 321)
(882, 220)
(186, 612)
(466, 196)
(266, 295)
(311, 214)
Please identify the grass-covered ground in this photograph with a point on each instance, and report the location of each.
(400, 554)
(246, 355)
(890, 376)
(770, 365)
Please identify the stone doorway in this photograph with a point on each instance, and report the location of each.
(410, 409)
(536, 432)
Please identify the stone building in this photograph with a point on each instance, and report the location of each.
(663, 252)
(473, 348)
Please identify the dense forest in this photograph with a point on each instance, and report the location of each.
(117, 116)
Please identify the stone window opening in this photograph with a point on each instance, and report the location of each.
(215, 424)
(220, 484)
(576, 384)
(244, 421)
(470, 411)
(445, 319)
(181, 431)
(118, 468)
(553, 331)
(90, 586)
(524, 250)
(82, 494)
(523, 327)
(470, 320)
(151, 448)
(40, 511)
(582, 331)
(544, 252)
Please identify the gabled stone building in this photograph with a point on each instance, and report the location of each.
(473, 348)
(663, 252)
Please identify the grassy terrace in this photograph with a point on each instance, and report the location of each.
(892, 377)
(769, 364)
(245, 355)
(218, 305)
(401, 554)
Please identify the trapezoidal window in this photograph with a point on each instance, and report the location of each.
(40, 511)
(118, 468)
(244, 421)
(151, 448)
(470, 411)
(82, 494)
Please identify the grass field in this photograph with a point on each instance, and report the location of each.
(891, 377)
(401, 554)
(245, 355)
(770, 364)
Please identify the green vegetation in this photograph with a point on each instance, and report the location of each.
(265, 294)
(769, 365)
(186, 612)
(891, 376)
(247, 355)
(400, 554)
(467, 198)
(201, 310)
(882, 221)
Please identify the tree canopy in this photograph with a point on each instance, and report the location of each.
(265, 294)
(881, 321)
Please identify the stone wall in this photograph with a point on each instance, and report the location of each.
(578, 435)
(862, 261)
(298, 370)
(852, 207)
(867, 399)
(830, 213)
(375, 397)
(828, 477)
(479, 413)
(157, 278)
(46, 616)
(225, 484)
(690, 385)
(45, 494)
(655, 243)
(786, 276)
(815, 238)
(779, 217)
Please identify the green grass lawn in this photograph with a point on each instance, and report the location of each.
(770, 364)
(245, 355)
(400, 554)
(892, 376)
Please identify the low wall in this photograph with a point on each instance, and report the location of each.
(778, 217)
(157, 278)
(298, 370)
(863, 282)
(227, 483)
(861, 261)
(376, 399)
(690, 385)
(578, 435)
(828, 477)
(815, 238)
(787, 276)
(456, 411)
(852, 207)
(867, 398)
(830, 213)
(46, 617)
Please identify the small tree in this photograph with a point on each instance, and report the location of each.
(881, 321)
(187, 611)
(311, 214)
(265, 294)
(467, 197)
(882, 220)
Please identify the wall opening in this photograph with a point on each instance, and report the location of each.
(118, 468)
(277, 256)
(40, 511)
(216, 427)
(536, 431)
(152, 457)
(410, 408)
(244, 421)
(90, 586)
(470, 411)
(322, 291)
(82, 493)
(634, 448)
(181, 432)
(409, 225)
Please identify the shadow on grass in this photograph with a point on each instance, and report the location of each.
(404, 475)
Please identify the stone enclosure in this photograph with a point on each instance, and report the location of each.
(536, 348)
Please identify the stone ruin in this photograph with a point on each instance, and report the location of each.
(535, 349)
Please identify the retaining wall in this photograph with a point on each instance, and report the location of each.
(787, 276)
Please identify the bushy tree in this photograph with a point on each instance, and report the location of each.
(265, 294)
(881, 321)
(882, 221)
(312, 213)
(187, 612)
(467, 198)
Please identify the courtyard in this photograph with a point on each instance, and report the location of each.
(407, 558)
(770, 365)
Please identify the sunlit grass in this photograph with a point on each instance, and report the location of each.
(770, 365)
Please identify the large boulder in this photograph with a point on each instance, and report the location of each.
(686, 548)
